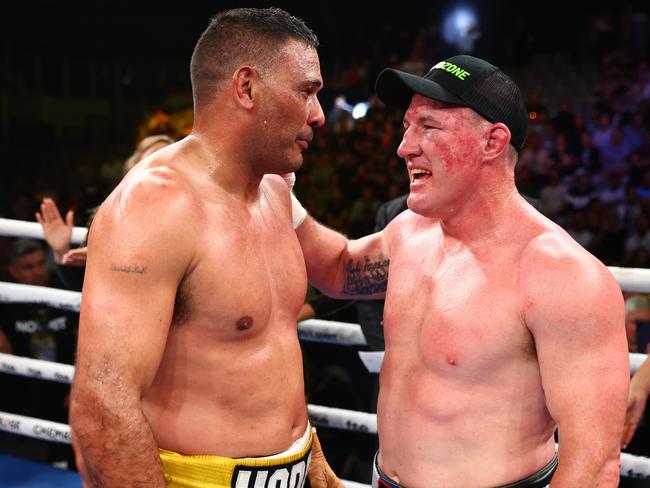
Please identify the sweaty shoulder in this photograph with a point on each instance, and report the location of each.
(152, 202)
(150, 191)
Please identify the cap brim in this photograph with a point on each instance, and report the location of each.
(396, 88)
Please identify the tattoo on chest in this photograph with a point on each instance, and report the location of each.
(367, 277)
(129, 269)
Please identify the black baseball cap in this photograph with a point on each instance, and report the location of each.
(466, 81)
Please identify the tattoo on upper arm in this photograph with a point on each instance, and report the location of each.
(129, 269)
(367, 277)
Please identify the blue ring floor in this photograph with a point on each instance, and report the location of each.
(22, 473)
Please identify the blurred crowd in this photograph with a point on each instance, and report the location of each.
(586, 161)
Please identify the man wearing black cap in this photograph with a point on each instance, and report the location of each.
(499, 328)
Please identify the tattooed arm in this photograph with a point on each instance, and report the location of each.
(341, 268)
(134, 269)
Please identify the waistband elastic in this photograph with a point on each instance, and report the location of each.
(539, 479)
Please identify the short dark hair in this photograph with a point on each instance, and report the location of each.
(239, 36)
(22, 247)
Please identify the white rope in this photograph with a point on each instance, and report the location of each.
(18, 293)
(41, 429)
(342, 333)
(632, 279)
(21, 228)
(636, 360)
(339, 418)
(635, 466)
(354, 484)
(36, 368)
(372, 360)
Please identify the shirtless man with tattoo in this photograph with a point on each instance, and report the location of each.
(189, 370)
(500, 329)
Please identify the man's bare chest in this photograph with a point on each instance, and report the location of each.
(455, 310)
(243, 277)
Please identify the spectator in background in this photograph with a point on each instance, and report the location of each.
(581, 191)
(609, 240)
(602, 133)
(637, 402)
(537, 111)
(615, 150)
(553, 195)
(614, 193)
(564, 124)
(577, 228)
(635, 433)
(589, 155)
(635, 131)
(640, 238)
(362, 212)
(36, 331)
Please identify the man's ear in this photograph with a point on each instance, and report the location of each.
(243, 81)
(496, 141)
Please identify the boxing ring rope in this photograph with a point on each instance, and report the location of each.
(21, 228)
(54, 297)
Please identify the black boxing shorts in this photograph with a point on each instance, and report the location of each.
(539, 479)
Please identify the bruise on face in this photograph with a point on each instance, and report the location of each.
(448, 131)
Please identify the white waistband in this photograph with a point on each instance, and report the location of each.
(299, 445)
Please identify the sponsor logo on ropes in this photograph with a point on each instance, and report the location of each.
(7, 367)
(51, 432)
(356, 426)
(324, 336)
(320, 420)
(63, 377)
(34, 372)
(290, 475)
(9, 424)
(32, 326)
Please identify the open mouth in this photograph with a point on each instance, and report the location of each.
(419, 175)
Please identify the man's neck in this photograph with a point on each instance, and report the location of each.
(225, 166)
(484, 217)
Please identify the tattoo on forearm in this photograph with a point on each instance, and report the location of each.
(367, 277)
(129, 269)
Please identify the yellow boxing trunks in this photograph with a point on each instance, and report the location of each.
(285, 470)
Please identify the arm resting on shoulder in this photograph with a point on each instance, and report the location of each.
(341, 268)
